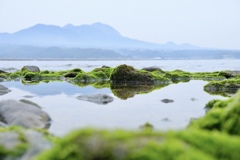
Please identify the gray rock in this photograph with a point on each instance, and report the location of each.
(97, 98)
(10, 140)
(37, 144)
(31, 68)
(151, 69)
(4, 90)
(167, 100)
(23, 113)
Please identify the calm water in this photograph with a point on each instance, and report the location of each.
(186, 65)
(59, 100)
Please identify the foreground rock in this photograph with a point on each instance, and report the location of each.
(4, 90)
(21, 144)
(23, 113)
(98, 98)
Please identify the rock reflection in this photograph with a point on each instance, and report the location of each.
(23, 113)
(128, 91)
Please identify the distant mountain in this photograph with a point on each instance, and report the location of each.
(97, 35)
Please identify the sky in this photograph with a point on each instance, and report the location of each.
(205, 23)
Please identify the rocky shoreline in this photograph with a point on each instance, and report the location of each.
(24, 135)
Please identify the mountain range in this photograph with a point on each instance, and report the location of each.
(97, 35)
(96, 41)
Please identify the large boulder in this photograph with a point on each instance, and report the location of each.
(97, 98)
(125, 74)
(4, 90)
(31, 69)
(23, 113)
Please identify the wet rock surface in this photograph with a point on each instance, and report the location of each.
(23, 113)
(97, 98)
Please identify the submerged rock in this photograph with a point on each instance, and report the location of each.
(31, 68)
(167, 100)
(97, 98)
(4, 90)
(23, 113)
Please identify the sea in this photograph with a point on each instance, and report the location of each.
(68, 113)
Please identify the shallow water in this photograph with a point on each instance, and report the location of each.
(59, 100)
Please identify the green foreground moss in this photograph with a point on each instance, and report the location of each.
(90, 144)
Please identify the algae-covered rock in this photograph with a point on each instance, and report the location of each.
(224, 116)
(89, 144)
(23, 113)
(97, 98)
(225, 87)
(31, 69)
(125, 74)
(4, 90)
(21, 144)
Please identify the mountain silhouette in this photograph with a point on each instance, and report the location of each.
(97, 35)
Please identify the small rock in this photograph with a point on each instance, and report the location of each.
(151, 69)
(31, 68)
(167, 100)
(165, 119)
(98, 98)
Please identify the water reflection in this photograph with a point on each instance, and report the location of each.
(58, 99)
(128, 91)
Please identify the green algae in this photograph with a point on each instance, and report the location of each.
(91, 144)
(224, 117)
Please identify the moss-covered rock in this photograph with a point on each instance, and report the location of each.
(225, 87)
(125, 74)
(178, 76)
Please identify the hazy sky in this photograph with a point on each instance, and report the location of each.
(206, 23)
